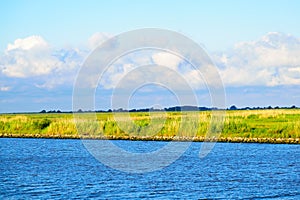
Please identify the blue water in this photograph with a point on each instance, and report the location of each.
(64, 169)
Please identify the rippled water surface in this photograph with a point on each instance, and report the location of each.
(64, 169)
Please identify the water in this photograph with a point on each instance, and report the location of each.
(63, 169)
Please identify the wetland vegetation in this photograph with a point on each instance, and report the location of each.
(270, 126)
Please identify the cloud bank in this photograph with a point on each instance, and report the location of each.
(272, 60)
(33, 58)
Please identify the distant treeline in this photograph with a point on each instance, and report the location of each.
(172, 109)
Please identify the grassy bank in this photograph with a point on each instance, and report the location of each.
(271, 126)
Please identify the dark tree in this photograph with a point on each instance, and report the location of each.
(233, 107)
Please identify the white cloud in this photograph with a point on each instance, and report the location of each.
(272, 60)
(32, 42)
(28, 57)
(166, 59)
(97, 38)
(4, 88)
(33, 57)
(122, 68)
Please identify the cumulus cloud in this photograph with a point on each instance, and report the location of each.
(181, 69)
(28, 43)
(125, 65)
(121, 67)
(166, 59)
(272, 60)
(269, 61)
(33, 57)
(27, 57)
(97, 38)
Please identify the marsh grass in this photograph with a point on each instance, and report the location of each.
(246, 125)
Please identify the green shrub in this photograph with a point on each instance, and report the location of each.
(41, 124)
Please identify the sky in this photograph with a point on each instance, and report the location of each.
(255, 46)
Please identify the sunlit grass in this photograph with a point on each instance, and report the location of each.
(243, 124)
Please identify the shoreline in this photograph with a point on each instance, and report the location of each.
(177, 139)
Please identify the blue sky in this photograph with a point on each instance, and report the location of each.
(254, 44)
(217, 24)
